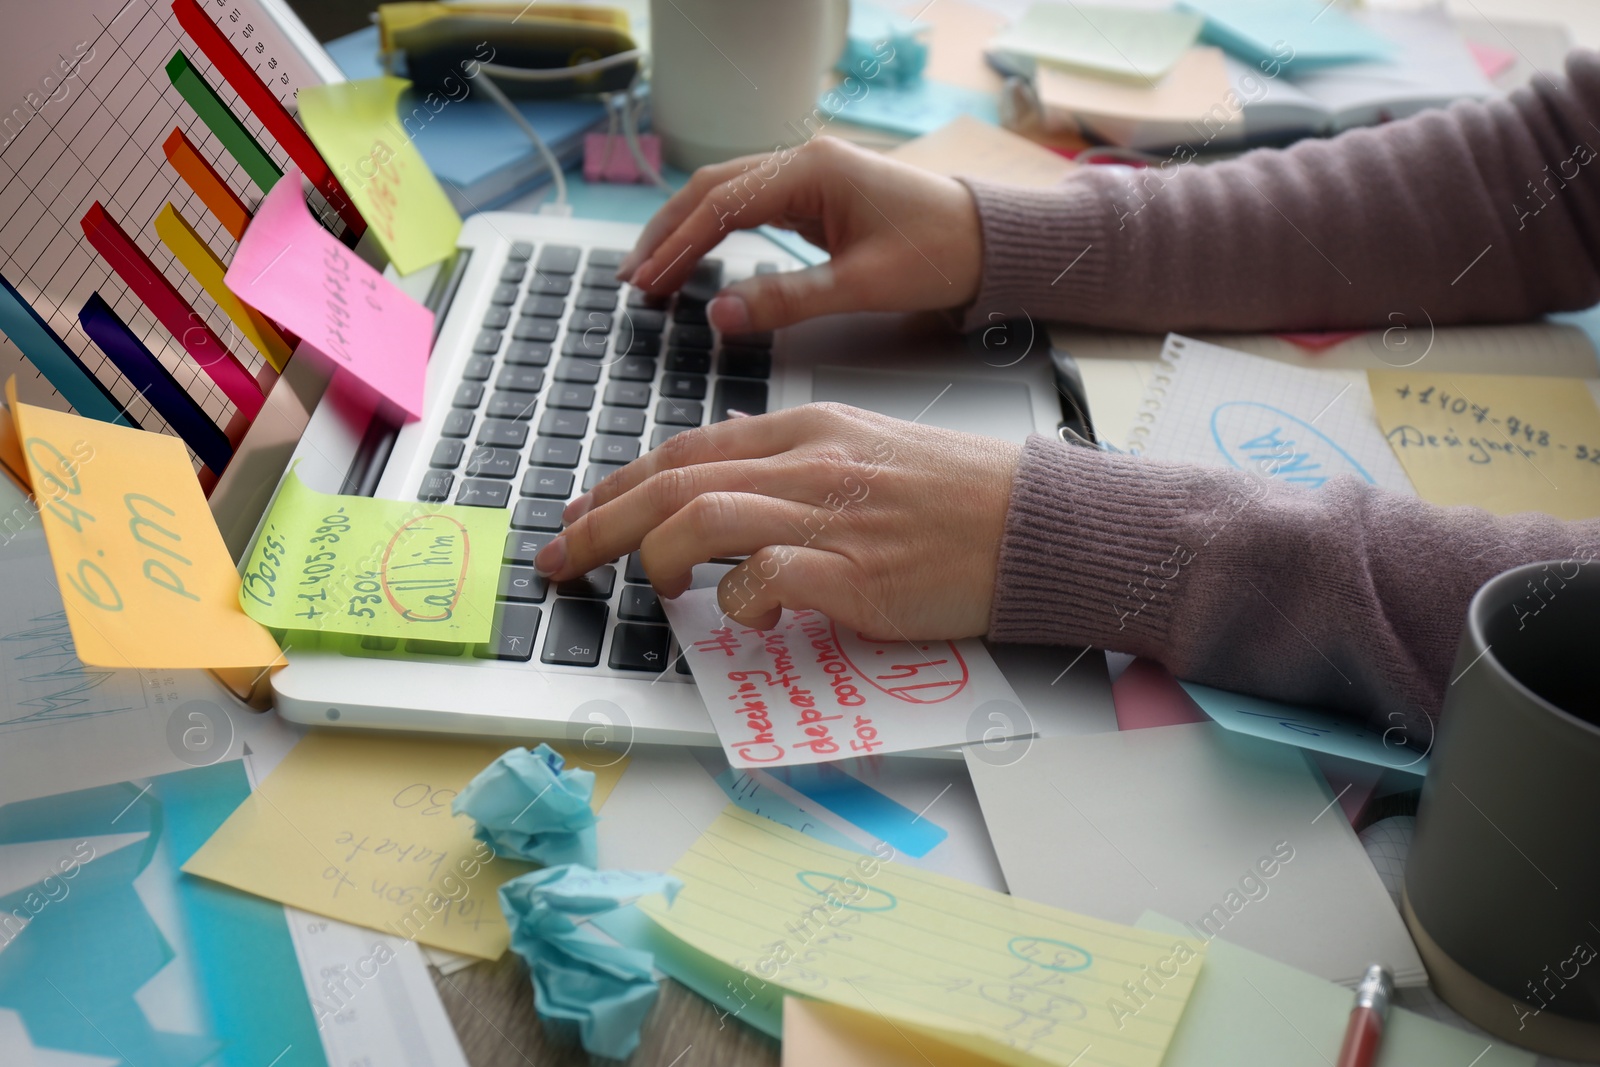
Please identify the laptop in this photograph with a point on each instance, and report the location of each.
(547, 374)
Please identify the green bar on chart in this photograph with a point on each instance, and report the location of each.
(244, 148)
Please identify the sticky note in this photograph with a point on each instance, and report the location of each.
(969, 148)
(144, 574)
(358, 827)
(356, 127)
(295, 273)
(1002, 977)
(1503, 442)
(809, 690)
(1304, 32)
(917, 108)
(1135, 44)
(384, 568)
(815, 1032)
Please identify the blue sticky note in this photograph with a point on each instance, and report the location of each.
(917, 108)
(745, 791)
(1315, 730)
(855, 801)
(1290, 33)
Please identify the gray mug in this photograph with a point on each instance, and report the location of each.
(1502, 887)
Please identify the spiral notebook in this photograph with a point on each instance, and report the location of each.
(1214, 406)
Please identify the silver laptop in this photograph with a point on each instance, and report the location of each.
(546, 375)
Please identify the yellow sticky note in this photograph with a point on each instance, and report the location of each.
(815, 1032)
(16, 468)
(358, 827)
(356, 127)
(1005, 978)
(144, 574)
(1506, 443)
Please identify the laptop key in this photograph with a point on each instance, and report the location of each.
(520, 251)
(447, 453)
(633, 369)
(536, 514)
(478, 368)
(520, 379)
(503, 433)
(488, 342)
(704, 282)
(638, 344)
(640, 604)
(544, 307)
(555, 452)
(511, 634)
(547, 482)
(639, 648)
(692, 335)
(662, 434)
(638, 298)
(627, 394)
(628, 421)
(435, 486)
(517, 406)
(744, 362)
(496, 318)
(435, 648)
(577, 627)
(619, 450)
(484, 493)
(504, 294)
(556, 423)
(488, 462)
(608, 258)
(589, 344)
(379, 644)
(687, 360)
(458, 423)
(738, 395)
(687, 386)
(596, 473)
(673, 411)
(596, 585)
(601, 278)
(596, 299)
(761, 340)
(528, 354)
(468, 395)
(558, 259)
(549, 284)
(521, 583)
(512, 273)
(688, 312)
(581, 371)
(644, 320)
(533, 329)
(522, 546)
(635, 570)
(572, 397)
(590, 320)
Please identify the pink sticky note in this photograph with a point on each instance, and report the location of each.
(1147, 695)
(1321, 340)
(1491, 60)
(294, 272)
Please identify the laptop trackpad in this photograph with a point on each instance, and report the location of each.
(972, 405)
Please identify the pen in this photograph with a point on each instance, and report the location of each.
(1362, 1036)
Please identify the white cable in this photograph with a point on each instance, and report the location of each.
(550, 159)
(561, 74)
(630, 130)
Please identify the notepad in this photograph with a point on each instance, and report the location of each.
(1137, 45)
(1002, 977)
(1238, 837)
(1214, 406)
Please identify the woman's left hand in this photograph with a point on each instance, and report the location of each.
(888, 527)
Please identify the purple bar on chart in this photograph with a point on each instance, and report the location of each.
(159, 387)
(59, 364)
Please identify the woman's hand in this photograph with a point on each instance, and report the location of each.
(901, 239)
(888, 527)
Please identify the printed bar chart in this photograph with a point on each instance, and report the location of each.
(223, 203)
(29, 332)
(191, 250)
(227, 128)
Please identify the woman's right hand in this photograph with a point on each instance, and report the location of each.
(900, 238)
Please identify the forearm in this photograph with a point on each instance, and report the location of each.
(1346, 597)
(1450, 211)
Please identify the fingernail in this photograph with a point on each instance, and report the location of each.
(578, 508)
(735, 413)
(551, 558)
(729, 313)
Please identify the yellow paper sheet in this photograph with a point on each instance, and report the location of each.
(969, 147)
(1506, 443)
(1189, 93)
(357, 129)
(16, 468)
(960, 32)
(357, 827)
(144, 574)
(815, 1033)
(1002, 977)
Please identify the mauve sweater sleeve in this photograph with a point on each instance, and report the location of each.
(1485, 212)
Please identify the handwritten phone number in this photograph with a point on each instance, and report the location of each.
(1513, 426)
(261, 583)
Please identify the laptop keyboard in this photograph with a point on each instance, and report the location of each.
(572, 375)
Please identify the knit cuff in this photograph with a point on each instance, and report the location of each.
(1090, 545)
(1045, 255)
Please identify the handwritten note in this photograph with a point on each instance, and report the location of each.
(358, 828)
(997, 975)
(356, 127)
(293, 271)
(1400, 746)
(363, 565)
(808, 690)
(144, 574)
(1507, 443)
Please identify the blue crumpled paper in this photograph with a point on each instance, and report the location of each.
(526, 805)
(883, 47)
(606, 989)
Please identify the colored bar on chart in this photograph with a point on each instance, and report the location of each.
(60, 366)
(266, 107)
(136, 362)
(245, 149)
(192, 251)
(223, 203)
(172, 310)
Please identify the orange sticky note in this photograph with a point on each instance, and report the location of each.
(10, 445)
(144, 574)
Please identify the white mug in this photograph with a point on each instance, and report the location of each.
(738, 77)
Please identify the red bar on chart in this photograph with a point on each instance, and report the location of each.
(266, 107)
(172, 310)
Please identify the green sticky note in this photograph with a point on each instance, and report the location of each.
(380, 568)
(1135, 44)
(357, 128)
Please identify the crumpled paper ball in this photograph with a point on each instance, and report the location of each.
(527, 806)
